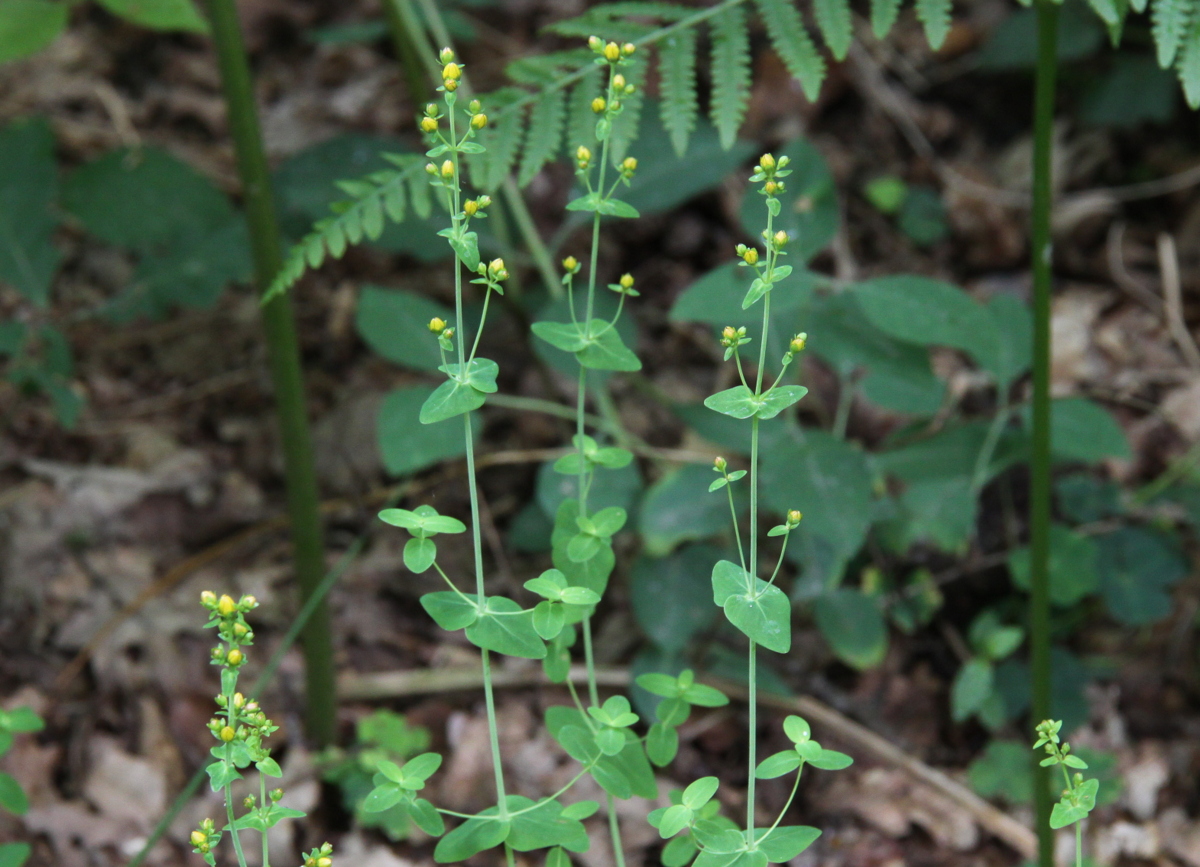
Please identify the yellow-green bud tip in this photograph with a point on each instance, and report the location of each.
(429, 124)
(595, 43)
(720, 464)
(612, 52)
(728, 332)
(451, 72)
(228, 734)
(235, 657)
(598, 105)
(570, 264)
(437, 325)
(448, 171)
(794, 516)
(208, 598)
(750, 256)
(446, 55)
(766, 162)
(471, 207)
(478, 121)
(780, 238)
(198, 838)
(629, 165)
(226, 606)
(626, 281)
(798, 342)
(628, 48)
(618, 82)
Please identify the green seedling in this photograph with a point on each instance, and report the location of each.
(12, 797)
(1079, 797)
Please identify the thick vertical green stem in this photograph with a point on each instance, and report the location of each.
(283, 355)
(407, 53)
(1039, 508)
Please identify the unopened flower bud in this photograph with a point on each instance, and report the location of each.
(484, 201)
(598, 105)
(595, 43)
(720, 464)
(429, 124)
(798, 343)
(248, 602)
(447, 171)
(239, 700)
(618, 82)
(227, 733)
(235, 657)
(208, 599)
(226, 606)
(612, 52)
(325, 862)
(446, 55)
(451, 72)
(431, 109)
(583, 156)
(766, 162)
(729, 333)
(470, 207)
(750, 256)
(448, 333)
(430, 169)
(626, 281)
(277, 795)
(437, 325)
(793, 517)
(474, 106)
(628, 48)
(199, 838)
(771, 188)
(570, 264)
(629, 165)
(478, 121)
(780, 239)
(497, 270)
(450, 85)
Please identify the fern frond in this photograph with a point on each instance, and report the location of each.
(621, 22)
(935, 15)
(1189, 64)
(833, 19)
(730, 72)
(1107, 10)
(1169, 21)
(625, 124)
(545, 133)
(581, 120)
(792, 43)
(378, 196)
(501, 140)
(1138, 6)
(883, 16)
(677, 87)
(541, 70)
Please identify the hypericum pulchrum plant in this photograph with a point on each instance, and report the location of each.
(1079, 797)
(756, 607)
(240, 728)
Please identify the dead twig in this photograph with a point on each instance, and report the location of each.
(387, 685)
(1168, 263)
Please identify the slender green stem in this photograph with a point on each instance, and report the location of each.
(233, 833)
(614, 829)
(737, 531)
(779, 562)
(841, 419)
(538, 250)
(406, 52)
(283, 355)
(984, 460)
(787, 804)
(493, 736)
(1039, 506)
(1079, 844)
(590, 662)
(752, 701)
(509, 859)
(262, 803)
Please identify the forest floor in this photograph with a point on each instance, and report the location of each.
(171, 484)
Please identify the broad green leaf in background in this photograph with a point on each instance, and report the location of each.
(12, 796)
(28, 193)
(1134, 91)
(1137, 567)
(716, 298)
(619, 487)
(472, 836)
(159, 14)
(1083, 498)
(28, 26)
(450, 399)
(950, 453)
(1010, 355)
(922, 216)
(1073, 566)
(825, 478)
(1013, 43)
(671, 596)
(405, 444)
(926, 312)
(395, 323)
(853, 625)
(809, 213)
(677, 508)
(786, 842)
(1082, 430)
(940, 511)
(972, 688)
(14, 854)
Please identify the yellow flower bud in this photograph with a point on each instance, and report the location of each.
(628, 48)
(247, 602)
(478, 121)
(239, 700)
(208, 598)
(431, 109)
(629, 165)
(780, 238)
(728, 332)
(583, 154)
(430, 169)
(570, 264)
(228, 734)
(798, 343)
(793, 517)
(771, 188)
(626, 281)
(720, 464)
(235, 657)
(437, 325)
(450, 84)
(496, 265)
(766, 162)
(324, 862)
(446, 55)
(470, 207)
(240, 630)
(226, 606)
(429, 124)
(451, 72)
(750, 256)
(198, 838)
(618, 82)
(612, 52)
(598, 104)
(447, 170)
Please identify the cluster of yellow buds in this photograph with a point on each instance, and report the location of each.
(733, 337)
(611, 51)
(203, 838)
(749, 255)
(620, 87)
(471, 207)
(321, 857)
(797, 343)
(438, 327)
(451, 71)
(495, 270)
(583, 157)
(793, 518)
(478, 118)
(771, 173)
(628, 167)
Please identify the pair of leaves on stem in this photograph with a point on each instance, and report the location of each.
(397, 786)
(596, 344)
(465, 246)
(462, 392)
(589, 454)
(759, 287)
(759, 609)
(422, 523)
(804, 750)
(592, 571)
(623, 774)
(679, 694)
(741, 402)
(527, 825)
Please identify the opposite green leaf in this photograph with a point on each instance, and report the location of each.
(28, 26)
(159, 14)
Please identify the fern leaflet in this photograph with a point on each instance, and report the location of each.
(833, 19)
(1107, 10)
(677, 87)
(1169, 24)
(883, 16)
(502, 142)
(379, 195)
(730, 72)
(625, 124)
(581, 120)
(1138, 6)
(545, 133)
(793, 44)
(1189, 64)
(935, 15)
